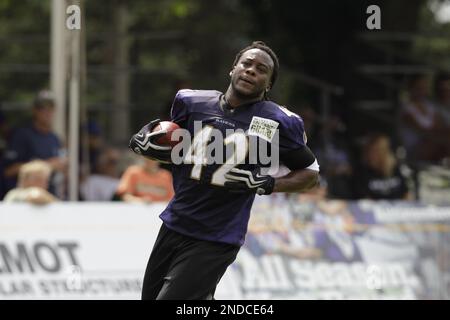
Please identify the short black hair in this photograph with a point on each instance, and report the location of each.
(262, 46)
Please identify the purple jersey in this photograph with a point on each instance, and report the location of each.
(201, 208)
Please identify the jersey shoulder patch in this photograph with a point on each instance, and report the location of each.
(263, 128)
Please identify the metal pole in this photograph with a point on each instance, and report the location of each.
(58, 65)
(74, 115)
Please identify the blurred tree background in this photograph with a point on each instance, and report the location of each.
(138, 52)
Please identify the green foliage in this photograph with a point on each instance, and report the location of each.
(196, 40)
(433, 44)
(24, 40)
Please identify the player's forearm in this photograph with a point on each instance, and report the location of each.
(297, 181)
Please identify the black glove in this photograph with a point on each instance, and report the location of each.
(249, 181)
(143, 143)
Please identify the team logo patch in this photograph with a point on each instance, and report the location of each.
(263, 128)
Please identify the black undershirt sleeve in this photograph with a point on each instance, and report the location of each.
(297, 159)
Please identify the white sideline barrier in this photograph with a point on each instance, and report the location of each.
(75, 250)
(293, 250)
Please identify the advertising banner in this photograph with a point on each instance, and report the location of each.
(75, 250)
(294, 250)
(343, 250)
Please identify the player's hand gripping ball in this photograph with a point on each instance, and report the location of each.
(168, 128)
(154, 140)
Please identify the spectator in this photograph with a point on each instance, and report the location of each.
(442, 89)
(32, 184)
(36, 141)
(90, 147)
(419, 122)
(380, 176)
(95, 144)
(102, 184)
(335, 159)
(4, 134)
(145, 182)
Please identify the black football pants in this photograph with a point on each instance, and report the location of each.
(184, 268)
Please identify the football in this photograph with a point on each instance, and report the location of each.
(169, 127)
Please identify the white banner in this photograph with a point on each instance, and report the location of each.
(75, 250)
(327, 250)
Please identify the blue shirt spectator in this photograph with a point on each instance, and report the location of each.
(35, 141)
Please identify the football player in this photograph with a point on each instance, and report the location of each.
(205, 223)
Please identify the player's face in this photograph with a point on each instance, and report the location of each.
(251, 75)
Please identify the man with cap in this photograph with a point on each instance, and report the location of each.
(35, 141)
